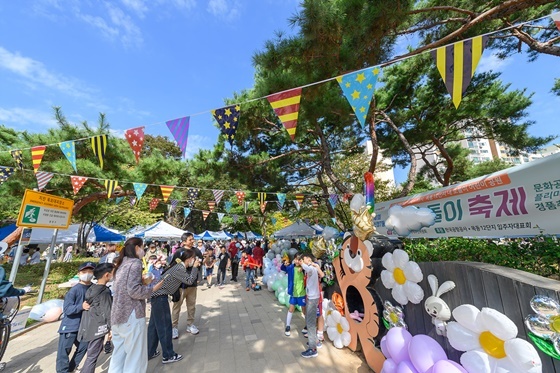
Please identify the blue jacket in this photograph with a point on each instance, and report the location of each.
(72, 309)
(290, 271)
(6, 287)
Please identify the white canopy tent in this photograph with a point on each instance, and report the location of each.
(160, 231)
(298, 229)
(70, 235)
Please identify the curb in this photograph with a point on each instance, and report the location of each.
(26, 330)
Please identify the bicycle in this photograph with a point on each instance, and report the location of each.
(9, 307)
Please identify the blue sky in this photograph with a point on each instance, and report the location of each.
(145, 62)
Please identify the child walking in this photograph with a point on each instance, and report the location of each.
(209, 261)
(296, 289)
(313, 295)
(225, 262)
(96, 322)
(249, 265)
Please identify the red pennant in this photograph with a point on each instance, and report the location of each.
(263, 207)
(240, 196)
(135, 138)
(154, 203)
(77, 183)
(250, 219)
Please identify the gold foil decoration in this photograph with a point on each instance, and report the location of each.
(319, 247)
(363, 223)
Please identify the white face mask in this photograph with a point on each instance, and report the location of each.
(85, 277)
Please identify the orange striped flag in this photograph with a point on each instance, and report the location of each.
(205, 214)
(166, 191)
(286, 106)
(37, 153)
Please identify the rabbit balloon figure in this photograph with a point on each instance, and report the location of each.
(436, 307)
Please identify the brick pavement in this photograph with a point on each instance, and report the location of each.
(240, 331)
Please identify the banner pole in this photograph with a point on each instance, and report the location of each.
(47, 267)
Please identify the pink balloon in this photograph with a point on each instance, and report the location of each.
(406, 367)
(397, 343)
(389, 366)
(447, 366)
(384, 347)
(424, 352)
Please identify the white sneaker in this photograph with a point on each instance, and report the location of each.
(175, 333)
(192, 329)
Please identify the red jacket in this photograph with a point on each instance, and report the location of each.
(258, 254)
(249, 262)
(232, 249)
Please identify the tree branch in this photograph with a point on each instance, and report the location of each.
(437, 8)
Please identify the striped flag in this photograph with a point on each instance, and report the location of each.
(99, 146)
(556, 18)
(300, 197)
(166, 191)
(286, 107)
(245, 206)
(37, 153)
(139, 189)
(262, 197)
(314, 202)
(77, 183)
(135, 138)
(180, 130)
(110, 185)
(174, 203)
(211, 205)
(43, 179)
(218, 194)
(280, 205)
(333, 200)
(18, 158)
(296, 203)
(132, 201)
(205, 214)
(456, 64)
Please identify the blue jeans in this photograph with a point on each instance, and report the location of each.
(249, 277)
(65, 343)
(159, 328)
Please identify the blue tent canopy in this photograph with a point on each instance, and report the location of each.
(102, 234)
(6, 231)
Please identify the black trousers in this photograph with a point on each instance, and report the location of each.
(93, 351)
(234, 270)
(65, 343)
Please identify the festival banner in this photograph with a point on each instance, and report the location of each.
(37, 153)
(218, 195)
(135, 138)
(18, 158)
(77, 183)
(43, 179)
(262, 197)
(358, 88)
(456, 64)
(5, 173)
(245, 206)
(516, 202)
(110, 185)
(166, 191)
(180, 130)
(69, 150)
(139, 189)
(99, 146)
(286, 107)
(228, 119)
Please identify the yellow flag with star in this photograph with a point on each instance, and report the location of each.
(358, 88)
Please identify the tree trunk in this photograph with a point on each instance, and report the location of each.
(448, 160)
(374, 145)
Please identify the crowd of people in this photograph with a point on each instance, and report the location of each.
(97, 317)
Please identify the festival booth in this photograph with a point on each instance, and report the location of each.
(70, 235)
(7, 230)
(160, 231)
(298, 229)
(248, 235)
(442, 317)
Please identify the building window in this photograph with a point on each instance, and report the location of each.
(470, 143)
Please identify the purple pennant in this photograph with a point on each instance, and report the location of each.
(180, 130)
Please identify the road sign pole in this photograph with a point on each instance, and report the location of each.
(47, 267)
(17, 258)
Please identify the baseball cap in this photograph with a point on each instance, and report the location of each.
(87, 265)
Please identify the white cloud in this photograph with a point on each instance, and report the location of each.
(492, 62)
(138, 6)
(225, 9)
(119, 25)
(35, 73)
(195, 143)
(184, 4)
(18, 117)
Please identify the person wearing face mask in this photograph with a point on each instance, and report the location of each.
(182, 270)
(128, 315)
(74, 305)
(158, 267)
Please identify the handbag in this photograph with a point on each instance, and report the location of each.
(176, 296)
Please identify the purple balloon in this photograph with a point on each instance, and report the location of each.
(384, 347)
(398, 340)
(406, 367)
(447, 366)
(424, 352)
(389, 366)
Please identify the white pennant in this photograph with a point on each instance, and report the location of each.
(43, 179)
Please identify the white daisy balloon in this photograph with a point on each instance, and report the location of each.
(337, 330)
(490, 340)
(402, 276)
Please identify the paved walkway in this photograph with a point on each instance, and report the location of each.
(240, 331)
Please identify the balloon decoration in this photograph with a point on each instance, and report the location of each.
(436, 307)
(544, 327)
(393, 316)
(402, 276)
(48, 311)
(361, 217)
(489, 339)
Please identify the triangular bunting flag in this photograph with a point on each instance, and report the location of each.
(220, 216)
(43, 179)
(186, 211)
(456, 64)
(286, 107)
(18, 158)
(300, 197)
(135, 138)
(333, 200)
(281, 199)
(132, 201)
(192, 196)
(333, 220)
(273, 220)
(296, 203)
(99, 146)
(180, 130)
(118, 200)
(139, 189)
(262, 197)
(556, 18)
(250, 219)
(77, 183)
(211, 205)
(280, 205)
(245, 206)
(5, 173)
(218, 194)
(228, 205)
(154, 204)
(263, 206)
(228, 119)
(174, 203)
(240, 196)
(346, 197)
(166, 191)
(358, 88)
(69, 150)
(110, 185)
(314, 202)
(235, 218)
(37, 153)
(205, 214)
